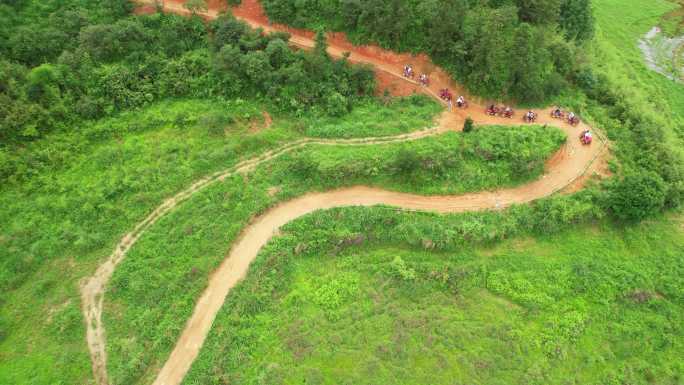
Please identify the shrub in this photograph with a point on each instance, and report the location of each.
(468, 125)
(637, 196)
(401, 270)
(216, 123)
(406, 161)
(195, 6)
(336, 104)
(304, 165)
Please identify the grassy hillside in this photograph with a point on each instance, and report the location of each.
(72, 195)
(154, 289)
(93, 136)
(593, 304)
(620, 24)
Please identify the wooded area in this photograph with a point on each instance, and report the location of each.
(527, 50)
(79, 64)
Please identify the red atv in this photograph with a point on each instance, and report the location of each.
(573, 120)
(506, 112)
(444, 94)
(557, 114)
(492, 110)
(586, 138)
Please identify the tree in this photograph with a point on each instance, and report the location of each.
(538, 11)
(34, 45)
(489, 35)
(532, 64)
(42, 84)
(111, 42)
(196, 6)
(179, 34)
(321, 46)
(445, 32)
(637, 196)
(227, 30)
(278, 53)
(257, 68)
(468, 125)
(336, 104)
(577, 19)
(227, 60)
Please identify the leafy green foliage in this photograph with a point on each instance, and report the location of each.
(67, 197)
(638, 196)
(577, 19)
(400, 269)
(134, 61)
(468, 125)
(502, 49)
(545, 301)
(208, 223)
(85, 188)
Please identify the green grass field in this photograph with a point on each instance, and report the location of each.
(595, 304)
(620, 24)
(83, 190)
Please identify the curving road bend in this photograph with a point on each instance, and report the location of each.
(569, 165)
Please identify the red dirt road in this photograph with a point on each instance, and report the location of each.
(568, 167)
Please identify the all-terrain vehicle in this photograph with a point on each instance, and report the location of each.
(530, 117)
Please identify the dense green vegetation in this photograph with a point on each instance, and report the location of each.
(153, 295)
(368, 296)
(641, 111)
(480, 36)
(72, 194)
(103, 115)
(452, 163)
(526, 50)
(115, 66)
(368, 119)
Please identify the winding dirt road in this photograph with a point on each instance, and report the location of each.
(566, 167)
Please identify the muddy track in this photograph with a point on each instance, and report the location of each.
(566, 167)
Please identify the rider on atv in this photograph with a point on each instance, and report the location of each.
(408, 71)
(557, 113)
(530, 116)
(445, 94)
(460, 101)
(423, 79)
(586, 137)
(492, 110)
